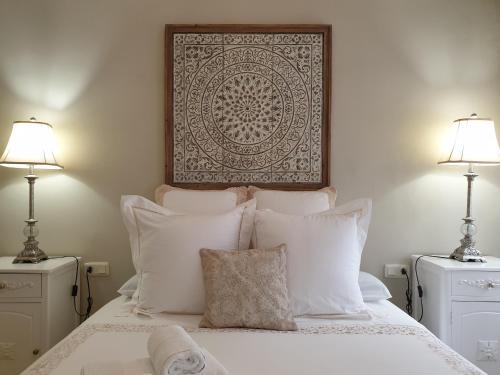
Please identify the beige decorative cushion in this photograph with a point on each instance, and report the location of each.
(246, 289)
(304, 202)
(200, 201)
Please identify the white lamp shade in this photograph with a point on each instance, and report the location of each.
(30, 143)
(473, 141)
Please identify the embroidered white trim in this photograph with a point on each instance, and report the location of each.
(63, 350)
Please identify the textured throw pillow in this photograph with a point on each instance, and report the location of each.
(165, 249)
(246, 289)
(200, 201)
(294, 202)
(323, 257)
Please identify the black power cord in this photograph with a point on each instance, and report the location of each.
(420, 290)
(90, 300)
(409, 294)
(74, 289)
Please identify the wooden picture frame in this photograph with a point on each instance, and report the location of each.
(248, 105)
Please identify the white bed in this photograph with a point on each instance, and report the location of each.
(170, 277)
(388, 343)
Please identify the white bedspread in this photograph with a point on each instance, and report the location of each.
(389, 343)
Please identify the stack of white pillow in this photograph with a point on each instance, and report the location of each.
(324, 246)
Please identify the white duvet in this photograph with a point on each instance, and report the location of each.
(389, 343)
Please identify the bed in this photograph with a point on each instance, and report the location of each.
(389, 343)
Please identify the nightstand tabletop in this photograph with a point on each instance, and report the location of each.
(47, 266)
(492, 263)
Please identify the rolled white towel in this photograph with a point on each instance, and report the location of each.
(174, 352)
(212, 365)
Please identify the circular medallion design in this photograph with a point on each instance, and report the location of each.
(247, 107)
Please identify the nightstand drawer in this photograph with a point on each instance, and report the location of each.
(15, 285)
(476, 284)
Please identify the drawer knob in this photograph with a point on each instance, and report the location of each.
(36, 351)
(3, 285)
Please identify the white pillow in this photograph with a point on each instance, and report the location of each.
(372, 288)
(167, 252)
(200, 201)
(128, 289)
(294, 202)
(129, 202)
(323, 258)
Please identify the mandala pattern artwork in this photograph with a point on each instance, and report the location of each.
(247, 108)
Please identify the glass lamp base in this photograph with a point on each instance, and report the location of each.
(30, 254)
(467, 251)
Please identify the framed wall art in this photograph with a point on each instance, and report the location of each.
(248, 104)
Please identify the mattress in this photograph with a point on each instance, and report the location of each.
(388, 342)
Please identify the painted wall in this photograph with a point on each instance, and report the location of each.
(402, 71)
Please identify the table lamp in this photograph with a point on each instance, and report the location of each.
(31, 145)
(473, 142)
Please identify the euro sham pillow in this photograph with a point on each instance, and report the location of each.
(200, 201)
(129, 203)
(324, 254)
(294, 202)
(165, 249)
(246, 289)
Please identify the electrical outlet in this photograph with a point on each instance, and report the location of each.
(393, 271)
(98, 268)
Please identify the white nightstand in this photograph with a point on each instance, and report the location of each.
(36, 309)
(462, 306)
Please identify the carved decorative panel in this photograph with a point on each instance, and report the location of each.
(248, 105)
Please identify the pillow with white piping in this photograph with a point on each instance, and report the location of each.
(200, 201)
(294, 202)
(166, 248)
(129, 202)
(324, 255)
(372, 288)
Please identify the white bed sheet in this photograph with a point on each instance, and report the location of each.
(389, 343)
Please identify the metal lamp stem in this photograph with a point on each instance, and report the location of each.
(467, 251)
(470, 179)
(31, 177)
(31, 253)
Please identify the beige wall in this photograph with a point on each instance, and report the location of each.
(402, 71)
